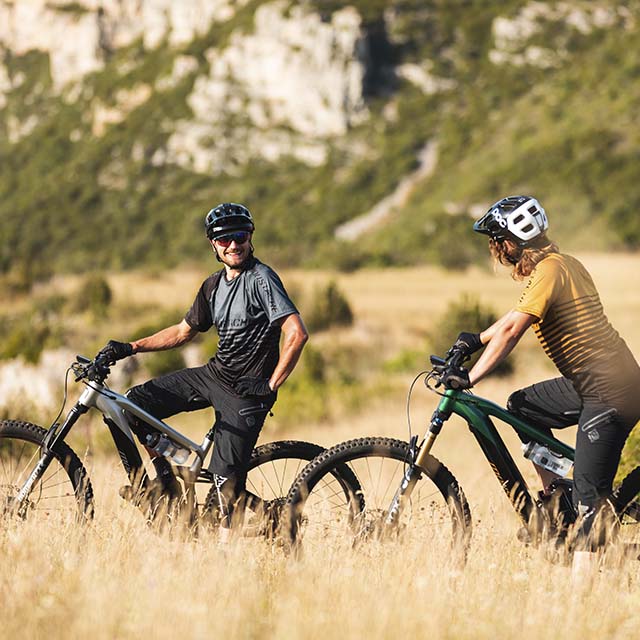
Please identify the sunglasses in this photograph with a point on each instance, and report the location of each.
(240, 237)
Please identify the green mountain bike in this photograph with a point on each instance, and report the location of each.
(402, 485)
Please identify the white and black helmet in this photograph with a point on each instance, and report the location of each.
(227, 218)
(517, 218)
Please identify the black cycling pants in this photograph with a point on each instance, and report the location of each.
(602, 432)
(238, 421)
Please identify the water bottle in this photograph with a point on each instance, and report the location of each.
(543, 457)
(167, 448)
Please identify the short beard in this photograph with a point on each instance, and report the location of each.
(243, 265)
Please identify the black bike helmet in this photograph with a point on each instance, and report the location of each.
(227, 218)
(517, 218)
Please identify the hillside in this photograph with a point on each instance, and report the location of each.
(121, 123)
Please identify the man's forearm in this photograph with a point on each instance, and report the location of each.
(294, 341)
(168, 338)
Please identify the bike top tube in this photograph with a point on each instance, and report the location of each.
(476, 411)
(113, 405)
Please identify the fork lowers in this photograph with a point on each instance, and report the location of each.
(411, 476)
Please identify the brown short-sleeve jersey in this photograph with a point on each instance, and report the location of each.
(573, 328)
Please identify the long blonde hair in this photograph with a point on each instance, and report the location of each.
(523, 260)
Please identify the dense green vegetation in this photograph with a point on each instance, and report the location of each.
(70, 200)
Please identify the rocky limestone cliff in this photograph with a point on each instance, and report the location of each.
(288, 86)
(293, 83)
(322, 112)
(79, 36)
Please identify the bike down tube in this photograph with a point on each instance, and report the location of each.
(497, 453)
(113, 405)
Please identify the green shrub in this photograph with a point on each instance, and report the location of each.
(304, 397)
(465, 314)
(406, 360)
(160, 362)
(26, 340)
(164, 319)
(630, 455)
(330, 308)
(94, 295)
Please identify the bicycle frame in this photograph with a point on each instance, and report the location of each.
(477, 412)
(113, 406)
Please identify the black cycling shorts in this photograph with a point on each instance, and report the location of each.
(602, 432)
(238, 421)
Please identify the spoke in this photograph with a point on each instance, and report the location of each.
(28, 463)
(392, 478)
(59, 496)
(275, 473)
(284, 473)
(339, 494)
(262, 473)
(6, 475)
(49, 485)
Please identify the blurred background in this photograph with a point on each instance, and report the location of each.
(359, 133)
(364, 136)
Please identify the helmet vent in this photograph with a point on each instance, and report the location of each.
(518, 219)
(533, 210)
(528, 228)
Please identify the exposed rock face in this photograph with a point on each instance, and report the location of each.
(288, 86)
(512, 35)
(78, 36)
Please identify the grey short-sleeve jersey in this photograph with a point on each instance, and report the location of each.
(245, 311)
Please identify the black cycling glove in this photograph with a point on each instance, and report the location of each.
(468, 343)
(248, 386)
(115, 350)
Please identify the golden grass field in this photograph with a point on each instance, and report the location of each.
(118, 579)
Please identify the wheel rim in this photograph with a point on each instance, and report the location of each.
(53, 498)
(339, 517)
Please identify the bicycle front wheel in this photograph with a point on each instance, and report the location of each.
(322, 509)
(63, 494)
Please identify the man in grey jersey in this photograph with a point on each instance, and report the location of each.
(247, 303)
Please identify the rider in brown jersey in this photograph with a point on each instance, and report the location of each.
(599, 389)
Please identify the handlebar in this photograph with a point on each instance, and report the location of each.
(443, 369)
(96, 370)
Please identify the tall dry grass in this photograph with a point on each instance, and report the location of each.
(116, 578)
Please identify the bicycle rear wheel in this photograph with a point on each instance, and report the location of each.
(271, 472)
(62, 495)
(322, 510)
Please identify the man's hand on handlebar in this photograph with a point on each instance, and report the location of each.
(115, 350)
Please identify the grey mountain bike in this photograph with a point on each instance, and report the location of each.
(42, 478)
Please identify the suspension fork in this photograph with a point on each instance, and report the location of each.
(56, 434)
(416, 464)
